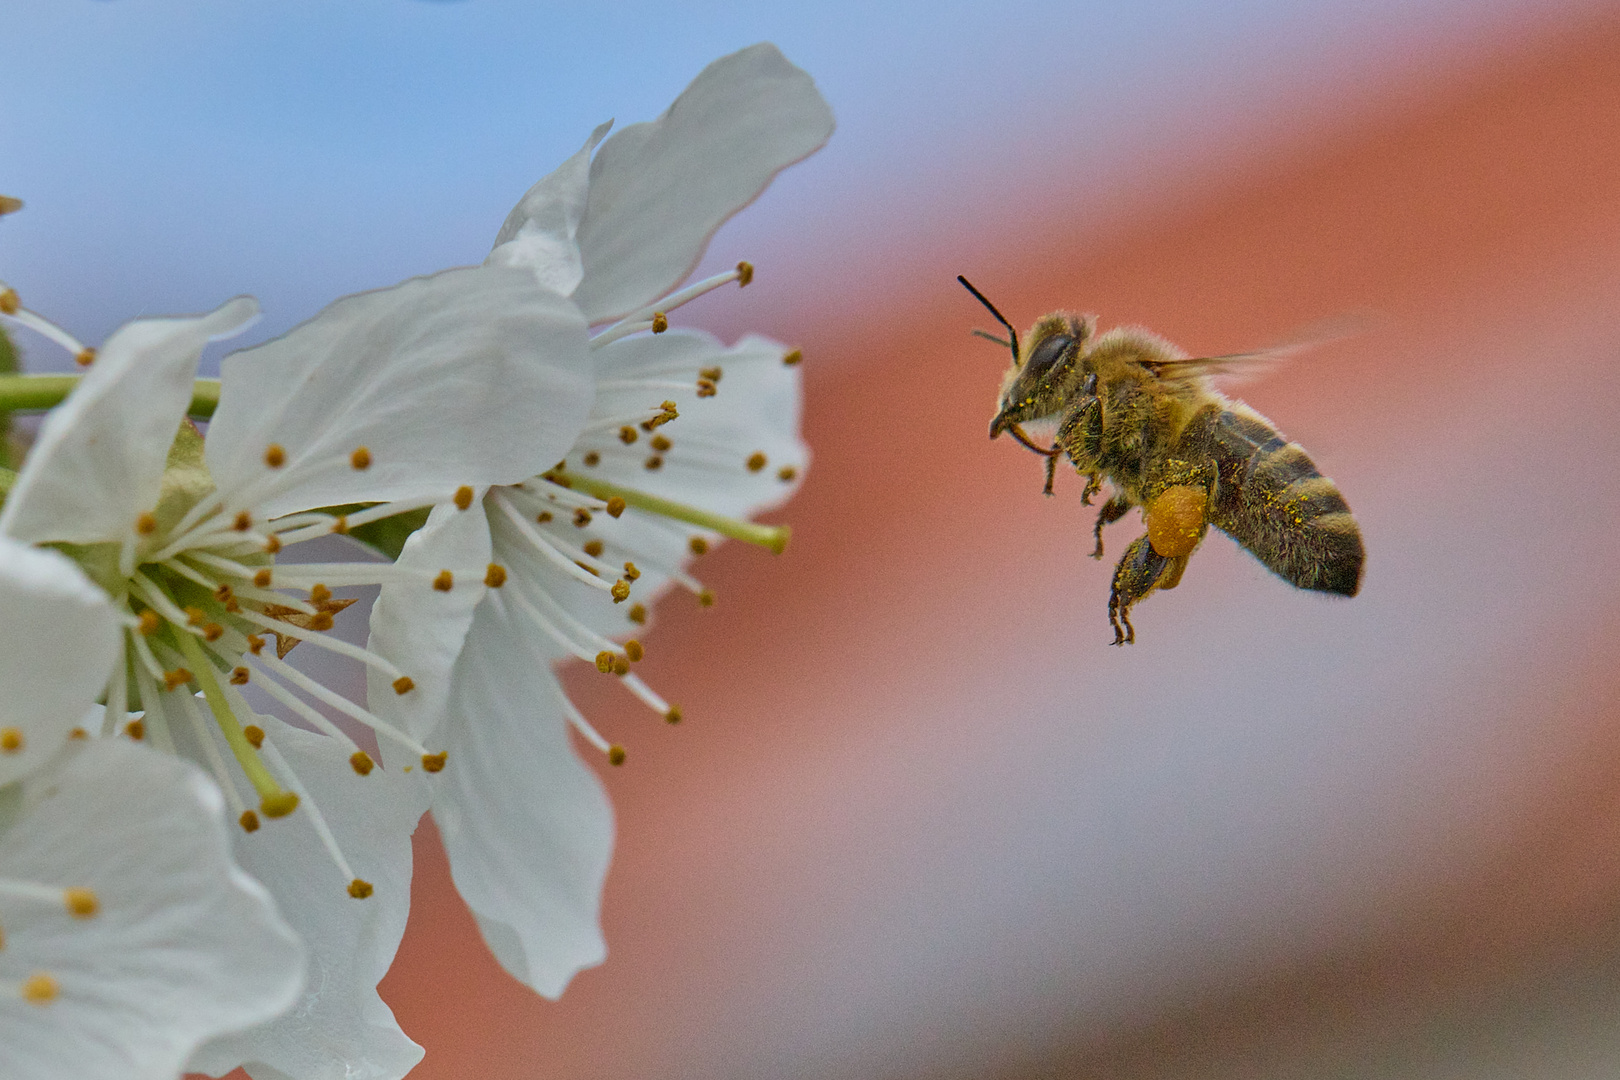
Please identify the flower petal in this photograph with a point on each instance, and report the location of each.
(184, 947)
(98, 461)
(660, 190)
(539, 232)
(58, 640)
(340, 1029)
(470, 376)
(526, 825)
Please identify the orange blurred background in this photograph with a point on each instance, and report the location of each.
(922, 820)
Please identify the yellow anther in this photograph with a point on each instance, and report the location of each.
(85, 357)
(81, 902)
(660, 322)
(445, 581)
(673, 716)
(272, 543)
(582, 517)
(615, 754)
(360, 459)
(711, 373)
(254, 734)
(195, 616)
(435, 762)
(340, 525)
(255, 643)
(630, 571)
(706, 388)
(543, 516)
(321, 620)
(280, 804)
(706, 598)
(637, 614)
(654, 463)
(698, 546)
(604, 661)
(634, 650)
(620, 592)
(593, 458)
(173, 680)
(40, 989)
(756, 461)
(275, 456)
(319, 594)
(464, 497)
(593, 548)
(404, 685)
(79, 733)
(615, 506)
(136, 730)
(9, 302)
(9, 205)
(148, 622)
(495, 576)
(628, 435)
(11, 740)
(621, 665)
(240, 676)
(212, 631)
(359, 889)
(243, 521)
(361, 762)
(660, 443)
(745, 273)
(223, 592)
(146, 523)
(249, 821)
(792, 356)
(787, 474)
(261, 578)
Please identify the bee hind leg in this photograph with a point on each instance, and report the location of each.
(1111, 511)
(1139, 572)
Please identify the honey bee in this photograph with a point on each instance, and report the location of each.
(1134, 410)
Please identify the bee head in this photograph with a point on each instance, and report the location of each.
(1044, 373)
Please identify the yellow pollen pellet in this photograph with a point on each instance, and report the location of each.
(261, 578)
(615, 506)
(615, 754)
(745, 273)
(81, 902)
(275, 456)
(706, 598)
(660, 322)
(634, 651)
(361, 762)
(404, 685)
(698, 546)
(243, 521)
(628, 435)
(654, 463)
(359, 889)
(604, 662)
(360, 459)
(630, 571)
(673, 716)
(787, 473)
(792, 356)
(254, 734)
(620, 592)
(249, 821)
(660, 444)
(240, 676)
(9, 302)
(543, 516)
(212, 631)
(11, 740)
(78, 733)
(445, 581)
(637, 614)
(146, 523)
(176, 678)
(272, 543)
(593, 458)
(711, 373)
(495, 576)
(136, 730)
(255, 643)
(148, 622)
(85, 357)
(278, 805)
(582, 517)
(706, 388)
(40, 989)
(621, 665)
(340, 525)
(319, 594)
(593, 548)
(756, 461)
(435, 762)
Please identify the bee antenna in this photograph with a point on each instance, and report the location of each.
(1000, 318)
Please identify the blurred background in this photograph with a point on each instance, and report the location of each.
(922, 821)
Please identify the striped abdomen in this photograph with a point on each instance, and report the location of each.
(1273, 501)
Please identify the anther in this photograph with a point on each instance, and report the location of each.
(249, 821)
(243, 522)
(79, 733)
(543, 516)
(706, 388)
(148, 622)
(173, 680)
(255, 643)
(340, 525)
(673, 716)
(630, 571)
(634, 651)
(254, 734)
(615, 506)
(261, 578)
(660, 443)
(195, 616)
(278, 805)
(146, 523)
(40, 988)
(136, 730)
(212, 631)
(272, 543)
(621, 666)
(654, 463)
(787, 473)
(464, 497)
(711, 373)
(756, 461)
(434, 762)
(792, 356)
(706, 598)
(620, 592)
(698, 546)
(404, 685)
(9, 303)
(360, 459)
(615, 754)
(80, 902)
(223, 592)
(11, 740)
(604, 662)
(321, 620)
(593, 548)
(361, 762)
(359, 889)
(660, 322)
(85, 357)
(319, 594)
(240, 676)
(275, 456)
(593, 458)
(495, 576)
(637, 614)
(582, 517)
(745, 274)
(628, 435)
(445, 581)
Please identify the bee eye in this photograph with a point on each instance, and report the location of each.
(1046, 354)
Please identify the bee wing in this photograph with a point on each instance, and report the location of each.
(1239, 367)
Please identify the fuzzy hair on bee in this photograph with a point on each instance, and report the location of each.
(1135, 411)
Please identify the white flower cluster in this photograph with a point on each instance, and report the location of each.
(199, 867)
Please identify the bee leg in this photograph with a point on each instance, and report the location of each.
(1093, 485)
(1111, 511)
(1051, 470)
(1138, 573)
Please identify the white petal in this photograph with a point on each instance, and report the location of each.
(98, 461)
(420, 628)
(660, 190)
(470, 376)
(526, 825)
(58, 639)
(539, 232)
(184, 947)
(339, 1029)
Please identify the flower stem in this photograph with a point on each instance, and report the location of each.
(202, 670)
(774, 537)
(33, 393)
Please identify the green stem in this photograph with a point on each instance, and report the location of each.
(33, 393)
(774, 537)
